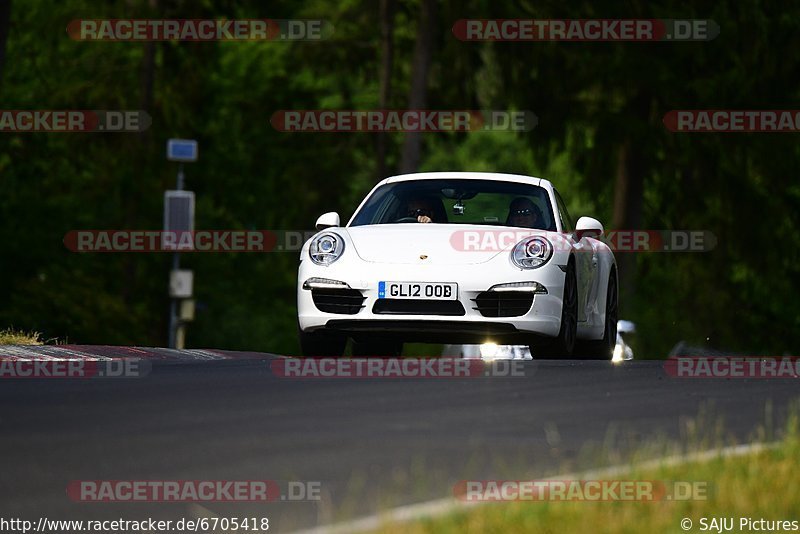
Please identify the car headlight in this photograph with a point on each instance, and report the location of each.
(326, 248)
(531, 253)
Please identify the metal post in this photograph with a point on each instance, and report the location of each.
(173, 306)
(180, 151)
(180, 177)
(172, 323)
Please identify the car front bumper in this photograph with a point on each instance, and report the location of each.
(466, 321)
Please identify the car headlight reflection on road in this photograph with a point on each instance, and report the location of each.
(617, 355)
(531, 253)
(489, 351)
(326, 248)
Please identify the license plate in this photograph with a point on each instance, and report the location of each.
(417, 290)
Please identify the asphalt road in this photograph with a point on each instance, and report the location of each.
(369, 443)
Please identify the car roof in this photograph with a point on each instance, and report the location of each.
(498, 176)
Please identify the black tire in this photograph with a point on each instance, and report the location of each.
(603, 349)
(377, 348)
(327, 344)
(563, 345)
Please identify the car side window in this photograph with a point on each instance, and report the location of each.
(566, 220)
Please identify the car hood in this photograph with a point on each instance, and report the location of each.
(441, 244)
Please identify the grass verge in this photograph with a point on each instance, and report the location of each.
(9, 336)
(757, 486)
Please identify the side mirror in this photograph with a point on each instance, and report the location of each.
(626, 327)
(327, 220)
(588, 227)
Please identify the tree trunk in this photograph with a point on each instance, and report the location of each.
(418, 96)
(133, 194)
(628, 200)
(387, 11)
(5, 23)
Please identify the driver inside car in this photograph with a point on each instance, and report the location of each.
(422, 209)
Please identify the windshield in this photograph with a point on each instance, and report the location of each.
(459, 201)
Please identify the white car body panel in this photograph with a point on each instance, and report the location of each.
(424, 253)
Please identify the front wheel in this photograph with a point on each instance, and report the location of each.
(563, 345)
(603, 349)
(328, 344)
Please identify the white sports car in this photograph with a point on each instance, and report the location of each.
(458, 257)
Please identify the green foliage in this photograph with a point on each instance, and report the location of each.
(589, 98)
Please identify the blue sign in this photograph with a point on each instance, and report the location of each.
(182, 150)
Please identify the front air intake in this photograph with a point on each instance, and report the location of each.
(342, 301)
(503, 304)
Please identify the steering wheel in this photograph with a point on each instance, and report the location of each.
(406, 219)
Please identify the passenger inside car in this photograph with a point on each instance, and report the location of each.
(524, 213)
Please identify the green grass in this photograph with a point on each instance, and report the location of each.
(759, 485)
(9, 336)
